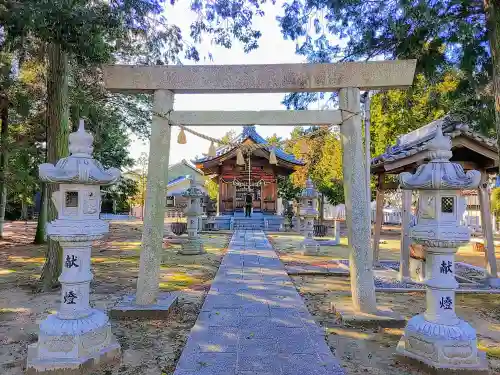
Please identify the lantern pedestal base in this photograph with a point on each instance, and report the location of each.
(439, 346)
(193, 246)
(85, 365)
(67, 345)
(310, 247)
(494, 282)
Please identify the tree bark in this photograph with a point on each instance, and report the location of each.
(24, 210)
(321, 208)
(41, 233)
(4, 119)
(492, 10)
(57, 148)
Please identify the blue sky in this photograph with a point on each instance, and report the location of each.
(273, 49)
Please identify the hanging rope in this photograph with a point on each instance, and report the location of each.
(248, 148)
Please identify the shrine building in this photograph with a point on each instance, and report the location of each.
(248, 164)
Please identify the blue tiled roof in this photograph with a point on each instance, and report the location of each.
(176, 180)
(250, 132)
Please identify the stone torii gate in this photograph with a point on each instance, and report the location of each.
(347, 78)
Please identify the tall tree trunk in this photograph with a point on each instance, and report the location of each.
(321, 208)
(41, 233)
(492, 9)
(57, 148)
(4, 119)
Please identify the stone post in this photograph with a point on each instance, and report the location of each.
(487, 227)
(379, 216)
(297, 221)
(154, 210)
(308, 210)
(357, 212)
(194, 244)
(404, 253)
(438, 337)
(77, 336)
(336, 232)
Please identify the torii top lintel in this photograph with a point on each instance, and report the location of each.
(199, 79)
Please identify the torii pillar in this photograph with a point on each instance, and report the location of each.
(356, 203)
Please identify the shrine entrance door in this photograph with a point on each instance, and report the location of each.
(241, 192)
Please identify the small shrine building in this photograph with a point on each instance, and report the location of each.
(248, 164)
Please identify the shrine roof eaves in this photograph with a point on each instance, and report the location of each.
(250, 132)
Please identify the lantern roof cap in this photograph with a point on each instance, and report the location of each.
(193, 191)
(79, 167)
(310, 190)
(440, 173)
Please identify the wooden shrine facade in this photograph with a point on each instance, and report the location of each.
(257, 175)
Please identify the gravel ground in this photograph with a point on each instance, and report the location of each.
(148, 347)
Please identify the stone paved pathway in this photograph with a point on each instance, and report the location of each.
(253, 321)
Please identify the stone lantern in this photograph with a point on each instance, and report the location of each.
(194, 244)
(77, 335)
(308, 204)
(438, 337)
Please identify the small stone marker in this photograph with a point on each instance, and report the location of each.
(438, 337)
(77, 337)
(336, 232)
(308, 211)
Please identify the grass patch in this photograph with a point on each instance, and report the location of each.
(126, 246)
(4, 271)
(112, 260)
(178, 281)
(492, 352)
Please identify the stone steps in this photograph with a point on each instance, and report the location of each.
(256, 221)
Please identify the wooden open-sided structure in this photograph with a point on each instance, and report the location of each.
(348, 78)
(470, 149)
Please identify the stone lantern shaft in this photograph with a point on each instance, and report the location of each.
(438, 337)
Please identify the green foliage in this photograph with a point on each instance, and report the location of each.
(495, 201)
(439, 34)
(274, 140)
(287, 189)
(327, 174)
(397, 112)
(229, 136)
(121, 194)
(212, 189)
(320, 150)
(90, 31)
(140, 175)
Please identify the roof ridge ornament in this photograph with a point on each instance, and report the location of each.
(80, 142)
(439, 147)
